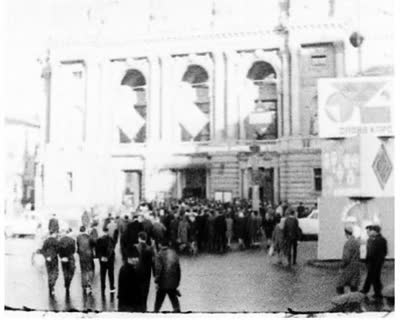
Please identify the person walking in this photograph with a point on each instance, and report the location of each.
(131, 235)
(229, 229)
(349, 274)
(268, 226)
(105, 252)
(50, 253)
(85, 248)
(376, 253)
(54, 226)
(220, 232)
(167, 277)
(159, 232)
(146, 264)
(278, 240)
(291, 235)
(66, 251)
(130, 283)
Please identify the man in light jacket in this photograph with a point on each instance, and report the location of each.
(167, 277)
(350, 268)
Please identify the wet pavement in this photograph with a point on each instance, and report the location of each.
(239, 281)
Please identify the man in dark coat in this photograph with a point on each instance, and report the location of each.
(211, 231)
(105, 253)
(350, 268)
(66, 250)
(159, 232)
(220, 232)
(54, 226)
(131, 235)
(167, 277)
(130, 283)
(376, 253)
(85, 246)
(300, 210)
(146, 264)
(50, 251)
(291, 235)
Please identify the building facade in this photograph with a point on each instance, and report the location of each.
(203, 102)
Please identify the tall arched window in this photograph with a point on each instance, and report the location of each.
(194, 110)
(261, 123)
(136, 130)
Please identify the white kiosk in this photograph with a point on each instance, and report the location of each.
(355, 119)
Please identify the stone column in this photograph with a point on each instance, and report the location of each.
(339, 59)
(218, 119)
(285, 112)
(295, 107)
(232, 106)
(154, 102)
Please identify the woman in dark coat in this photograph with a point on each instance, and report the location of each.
(130, 284)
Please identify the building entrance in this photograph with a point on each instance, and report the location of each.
(195, 182)
(132, 188)
(267, 185)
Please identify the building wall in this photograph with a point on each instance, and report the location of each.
(162, 53)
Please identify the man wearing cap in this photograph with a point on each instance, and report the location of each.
(66, 250)
(350, 268)
(376, 253)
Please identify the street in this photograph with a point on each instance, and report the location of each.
(239, 281)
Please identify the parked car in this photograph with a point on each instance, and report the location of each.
(309, 226)
(24, 225)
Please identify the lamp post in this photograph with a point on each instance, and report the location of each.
(255, 188)
(356, 39)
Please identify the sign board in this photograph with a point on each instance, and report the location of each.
(358, 167)
(353, 106)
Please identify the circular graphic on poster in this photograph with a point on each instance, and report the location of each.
(338, 108)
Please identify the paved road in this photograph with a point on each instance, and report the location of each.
(246, 281)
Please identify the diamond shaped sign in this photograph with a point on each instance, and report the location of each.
(382, 166)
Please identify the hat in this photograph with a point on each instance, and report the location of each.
(373, 227)
(348, 229)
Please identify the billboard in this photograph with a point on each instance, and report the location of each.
(353, 106)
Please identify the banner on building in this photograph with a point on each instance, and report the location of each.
(354, 106)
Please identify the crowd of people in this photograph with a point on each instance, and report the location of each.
(151, 238)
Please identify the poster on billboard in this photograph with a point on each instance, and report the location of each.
(354, 106)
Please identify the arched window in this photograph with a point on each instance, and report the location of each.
(194, 112)
(136, 130)
(261, 123)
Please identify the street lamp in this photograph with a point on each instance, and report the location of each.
(356, 39)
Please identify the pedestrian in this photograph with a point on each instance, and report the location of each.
(183, 234)
(268, 226)
(146, 265)
(349, 274)
(86, 246)
(50, 253)
(279, 209)
(131, 234)
(159, 232)
(85, 219)
(278, 240)
(229, 229)
(376, 253)
(220, 232)
(106, 254)
(167, 277)
(54, 226)
(241, 229)
(300, 210)
(291, 234)
(211, 231)
(66, 251)
(113, 230)
(107, 220)
(130, 283)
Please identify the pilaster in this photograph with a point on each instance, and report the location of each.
(219, 97)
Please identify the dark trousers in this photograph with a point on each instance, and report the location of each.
(107, 267)
(340, 290)
(52, 273)
(220, 242)
(373, 278)
(292, 251)
(173, 297)
(68, 269)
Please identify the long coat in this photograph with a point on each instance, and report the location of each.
(167, 269)
(350, 273)
(130, 291)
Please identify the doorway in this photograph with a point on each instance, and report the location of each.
(132, 188)
(195, 183)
